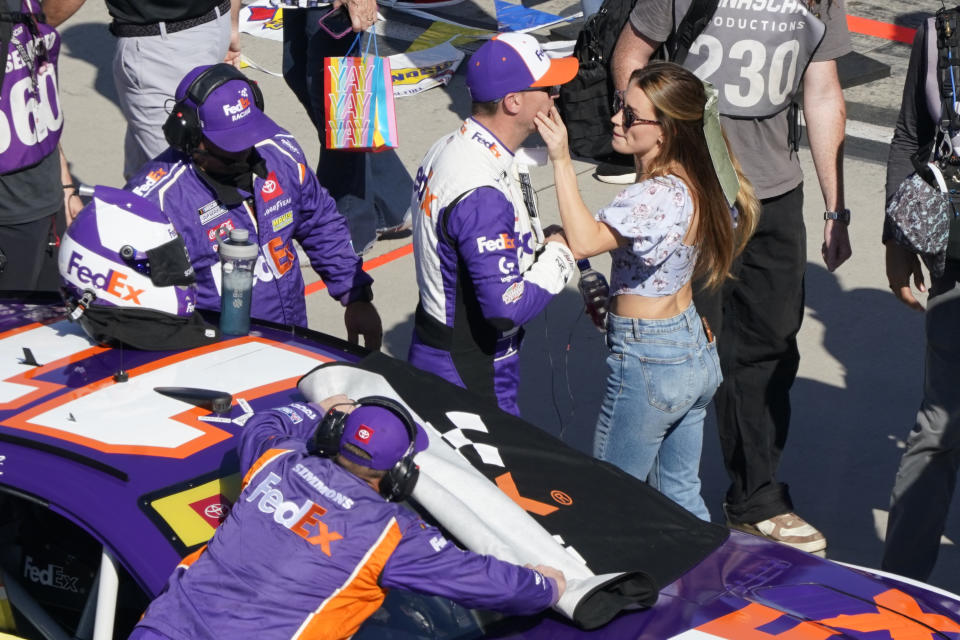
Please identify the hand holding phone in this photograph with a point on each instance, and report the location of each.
(336, 22)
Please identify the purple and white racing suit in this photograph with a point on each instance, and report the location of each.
(288, 204)
(480, 271)
(309, 551)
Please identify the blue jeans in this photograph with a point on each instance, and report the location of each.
(662, 374)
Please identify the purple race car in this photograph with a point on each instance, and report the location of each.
(105, 483)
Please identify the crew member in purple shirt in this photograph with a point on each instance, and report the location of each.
(316, 538)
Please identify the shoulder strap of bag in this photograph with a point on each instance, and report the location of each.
(697, 18)
(9, 16)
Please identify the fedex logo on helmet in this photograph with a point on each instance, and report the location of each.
(503, 241)
(302, 519)
(113, 282)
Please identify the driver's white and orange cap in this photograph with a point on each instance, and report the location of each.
(511, 62)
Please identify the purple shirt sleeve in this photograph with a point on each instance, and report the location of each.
(325, 237)
(482, 226)
(427, 562)
(287, 427)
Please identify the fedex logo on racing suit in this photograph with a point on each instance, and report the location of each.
(503, 241)
(113, 282)
(51, 576)
(489, 144)
(149, 182)
(303, 519)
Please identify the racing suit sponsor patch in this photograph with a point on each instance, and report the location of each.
(211, 211)
(282, 221)
(153, 179)
(513, 293)
(222, 229)
(301, 519)
(271, 187)
(307, 411)
(295, 417)
(502, 241)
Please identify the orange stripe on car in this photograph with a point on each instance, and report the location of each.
(342, 613)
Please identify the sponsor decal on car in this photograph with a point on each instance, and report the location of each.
(51, 575)
(194, 513)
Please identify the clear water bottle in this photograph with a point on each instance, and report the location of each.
(237, 258)
(595, 292)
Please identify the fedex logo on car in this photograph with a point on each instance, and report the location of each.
(113, 282)
(50, 576)
(502, 241)
(302, 519)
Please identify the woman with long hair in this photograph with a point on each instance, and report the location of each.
(674, 225)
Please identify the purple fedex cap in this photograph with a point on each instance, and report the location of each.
(511, 62)
(229, 117)
(379, 432)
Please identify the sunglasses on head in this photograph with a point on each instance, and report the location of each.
(629, 117)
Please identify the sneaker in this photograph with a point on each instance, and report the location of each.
(613, 172)
(789, 529)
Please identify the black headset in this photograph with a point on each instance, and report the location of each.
(182, 129)
(399, 482)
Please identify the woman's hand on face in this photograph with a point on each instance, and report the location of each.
(554, 134)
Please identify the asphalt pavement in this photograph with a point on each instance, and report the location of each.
(861, 372)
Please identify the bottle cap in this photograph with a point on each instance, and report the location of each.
(237, 246)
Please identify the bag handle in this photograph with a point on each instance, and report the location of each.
(366, 51)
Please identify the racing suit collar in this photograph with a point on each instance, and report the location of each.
(231, 190)
(476, 133)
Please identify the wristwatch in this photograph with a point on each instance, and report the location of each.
(843, 215)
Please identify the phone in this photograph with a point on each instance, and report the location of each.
(336, 22)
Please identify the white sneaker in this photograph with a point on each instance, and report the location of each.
(789, 529)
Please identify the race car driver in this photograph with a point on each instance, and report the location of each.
(230, 166)
(480, 269)
(311, 546)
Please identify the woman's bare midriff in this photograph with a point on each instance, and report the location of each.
(633, 306)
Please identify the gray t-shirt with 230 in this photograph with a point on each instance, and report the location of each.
(738, 27)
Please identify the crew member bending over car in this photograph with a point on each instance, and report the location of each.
(230, 166)
(316, 538)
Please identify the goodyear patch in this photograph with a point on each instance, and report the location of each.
(281, 221)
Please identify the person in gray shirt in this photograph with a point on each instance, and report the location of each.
(158, 42)
(757, 55)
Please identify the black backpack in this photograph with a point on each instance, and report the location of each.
(586, 101)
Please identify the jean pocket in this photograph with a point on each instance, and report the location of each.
(670, 381)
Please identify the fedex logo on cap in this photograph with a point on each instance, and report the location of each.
(364, 433)
(112, 282)
(239, 109)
